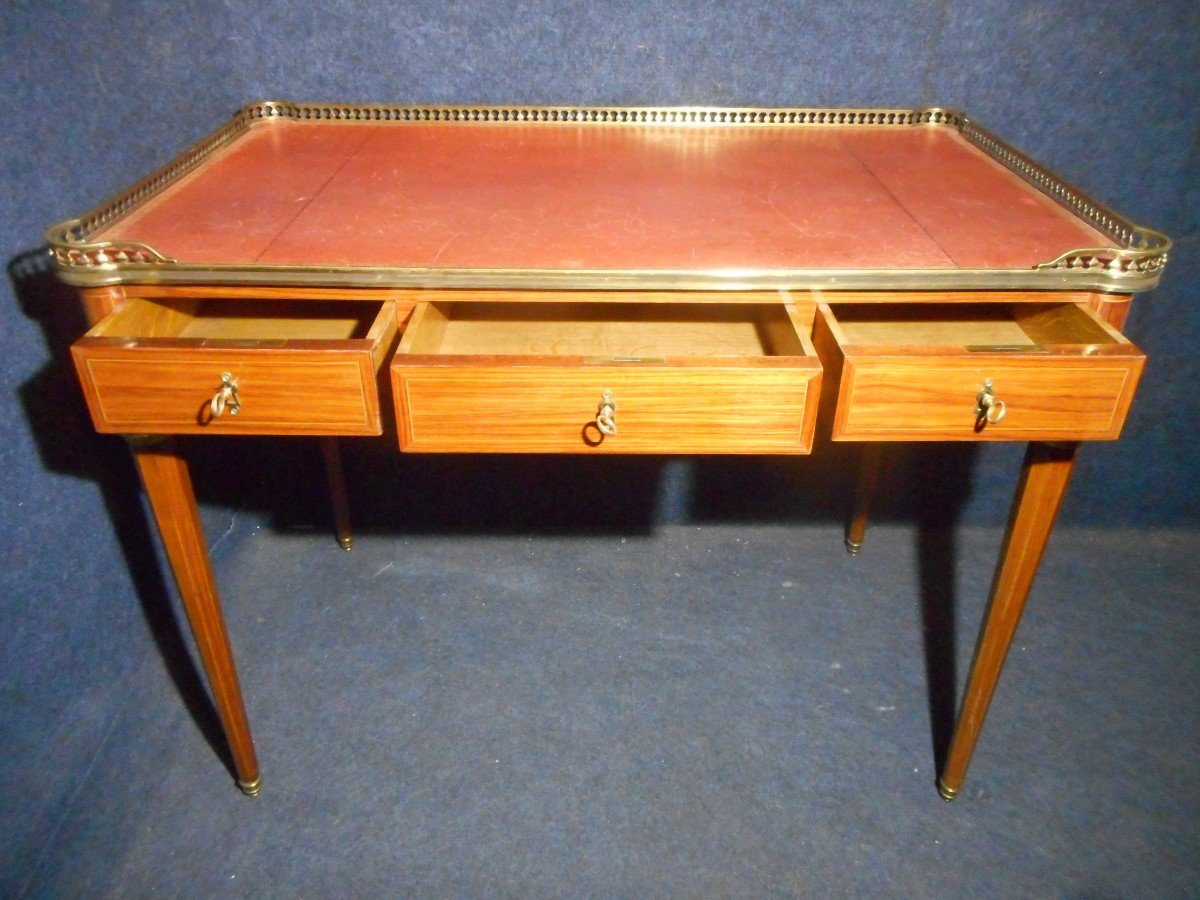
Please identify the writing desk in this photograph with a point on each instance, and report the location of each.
(601, 280)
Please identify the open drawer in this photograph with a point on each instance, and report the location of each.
(605, 377)
(237, 366)
(978, 371)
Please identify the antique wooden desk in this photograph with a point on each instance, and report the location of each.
(599, 280)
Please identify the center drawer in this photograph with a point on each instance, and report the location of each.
(976, 371)
(237, 366)
(519, 377)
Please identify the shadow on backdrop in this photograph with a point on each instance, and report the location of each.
(67, 445)
(282, 480)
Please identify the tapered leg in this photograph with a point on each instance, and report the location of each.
(868, 477)
(169, 487)
(337, 491)
(1044, 477)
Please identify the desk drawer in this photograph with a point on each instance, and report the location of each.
(533, 377)
(988, 371)
(294, 367)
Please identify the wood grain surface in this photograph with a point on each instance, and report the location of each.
(914, 373)
(665, 409)
(671, 397)
(168, 486)
(1045, 473)
(152, 368)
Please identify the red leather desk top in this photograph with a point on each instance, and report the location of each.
(584, 197)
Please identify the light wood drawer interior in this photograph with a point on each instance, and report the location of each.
(531, 377)
(979, 371)
(296, 367)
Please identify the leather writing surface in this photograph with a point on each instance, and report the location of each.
(982, 215)
(557, 196)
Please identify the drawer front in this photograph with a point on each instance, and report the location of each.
(663, 409)
(1047, 398)
(168, 391)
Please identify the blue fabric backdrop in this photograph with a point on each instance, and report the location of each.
(97, 93)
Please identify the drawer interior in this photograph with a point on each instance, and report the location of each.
(971, 327)
(243, 320)
(616, 331)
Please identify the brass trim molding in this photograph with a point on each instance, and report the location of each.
(1143, 251)
(612, 279)
(601, 115)
(102, 254)
(1136, 265)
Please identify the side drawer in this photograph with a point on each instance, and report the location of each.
(282, 367)
(970, 372)
(534, 377)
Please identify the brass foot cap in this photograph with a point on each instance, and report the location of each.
(852, 547)
(346, 542)
(948, 793)
(250, 788)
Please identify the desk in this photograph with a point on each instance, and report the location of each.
(603, 280)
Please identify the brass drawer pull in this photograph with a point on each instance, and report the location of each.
(227, 397)
(989, 409)
(605, 415)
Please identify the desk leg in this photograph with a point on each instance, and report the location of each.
(868, 478)
(169, 487)
(337, 491)
(1044, 477)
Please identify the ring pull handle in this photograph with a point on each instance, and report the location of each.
(606, 414)
(989, 409)
(226, 398)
